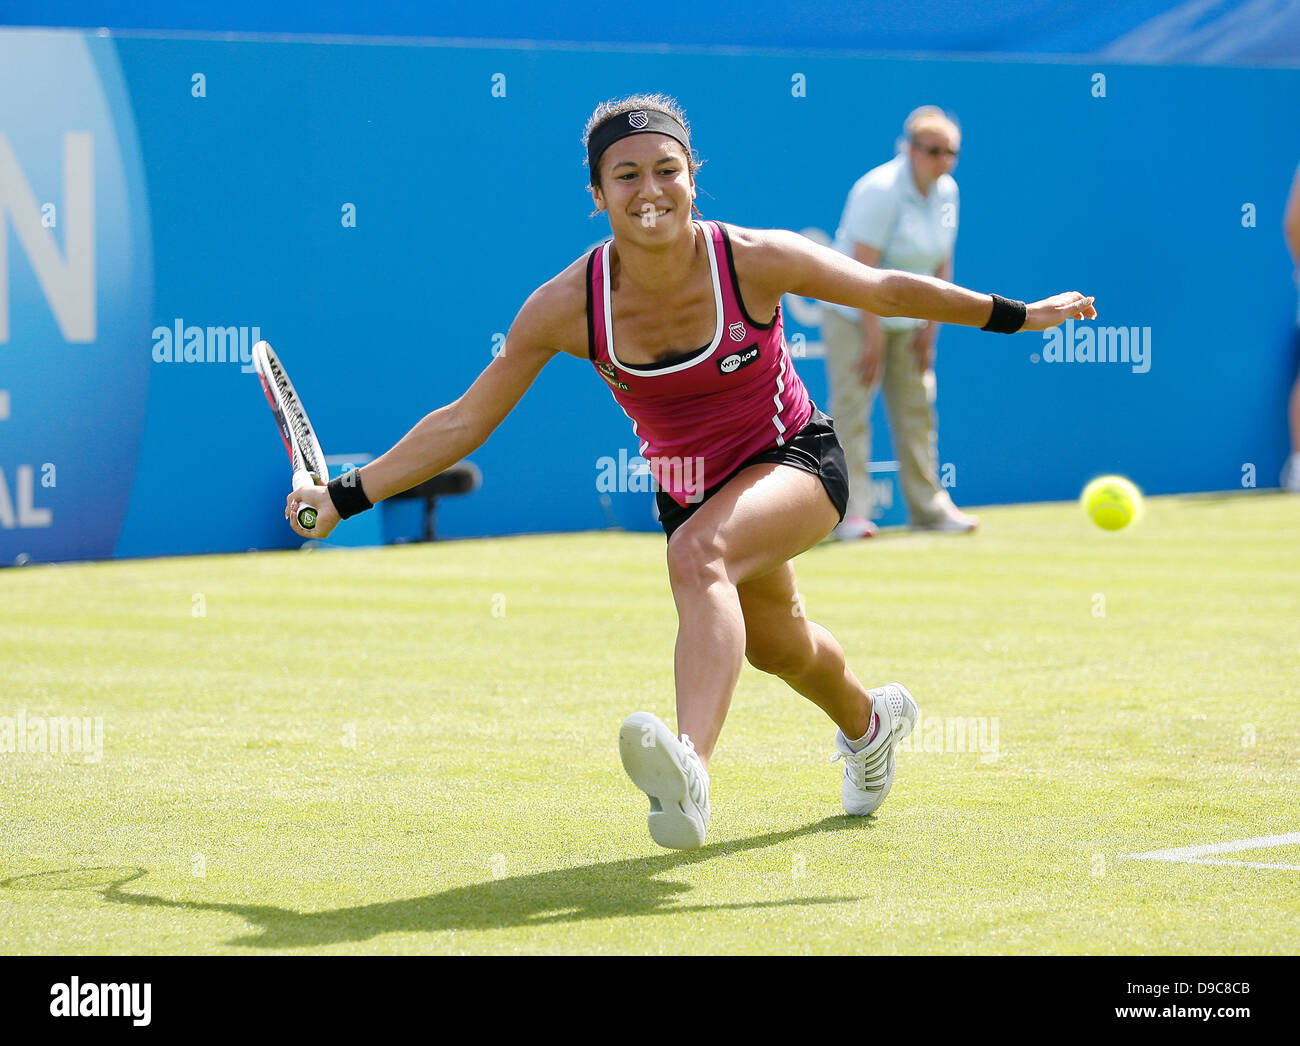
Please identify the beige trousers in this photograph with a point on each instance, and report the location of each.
(909, 401)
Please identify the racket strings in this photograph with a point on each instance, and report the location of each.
(303, 436)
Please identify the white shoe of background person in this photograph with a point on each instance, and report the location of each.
(869, 772)
(670, 773)
(955, 521)
(1290, 481)
(854, 528)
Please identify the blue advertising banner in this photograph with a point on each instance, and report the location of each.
(379, 211)
(75, 292)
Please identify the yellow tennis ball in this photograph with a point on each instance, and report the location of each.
(1112, 502)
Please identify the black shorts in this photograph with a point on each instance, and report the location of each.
(814, 448)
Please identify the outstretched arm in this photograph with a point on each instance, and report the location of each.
(442, 438)
(788, 262)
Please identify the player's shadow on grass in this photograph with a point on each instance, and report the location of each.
(613, 889)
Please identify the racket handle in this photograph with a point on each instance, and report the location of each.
(306, 514)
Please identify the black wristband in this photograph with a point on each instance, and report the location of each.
(1008, 315)
(348, 495)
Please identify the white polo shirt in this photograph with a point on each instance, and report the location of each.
(915, 233)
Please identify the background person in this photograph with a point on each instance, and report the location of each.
(901, 215)
(1291, 229)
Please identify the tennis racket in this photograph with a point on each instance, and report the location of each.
(305, 455)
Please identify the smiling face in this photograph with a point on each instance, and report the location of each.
(646, 187)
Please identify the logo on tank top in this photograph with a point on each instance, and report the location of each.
(743, 358)
(737, 331)
(608, 372)
(637, 119)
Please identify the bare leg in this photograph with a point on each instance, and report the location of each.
(765, 516)
(783, 642)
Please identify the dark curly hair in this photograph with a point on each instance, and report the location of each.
(660, 103)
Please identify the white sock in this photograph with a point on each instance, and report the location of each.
(866, 738)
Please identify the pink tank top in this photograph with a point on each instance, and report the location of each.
(701, 415)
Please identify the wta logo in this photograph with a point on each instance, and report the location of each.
(731, 364)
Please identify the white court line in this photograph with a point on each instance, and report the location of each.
(4, 404)
(1233, 864)
(1197, 854)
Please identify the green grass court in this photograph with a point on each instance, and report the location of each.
(413, 749)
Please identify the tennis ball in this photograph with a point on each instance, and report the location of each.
(1112, 502)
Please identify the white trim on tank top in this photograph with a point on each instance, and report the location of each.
(717, 301)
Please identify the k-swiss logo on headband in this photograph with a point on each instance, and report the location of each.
(637, 120)
(743, 358)
(737, 331)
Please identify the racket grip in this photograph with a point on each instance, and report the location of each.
(306, 514)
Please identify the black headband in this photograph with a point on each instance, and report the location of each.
(639, 121)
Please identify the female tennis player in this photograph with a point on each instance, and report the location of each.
(682, 319)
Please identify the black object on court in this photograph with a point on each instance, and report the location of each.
(462, 478)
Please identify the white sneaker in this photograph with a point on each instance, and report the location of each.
(854, 528)
(1291, 475)
(953, 522)
(671, 774)
(869, 774)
